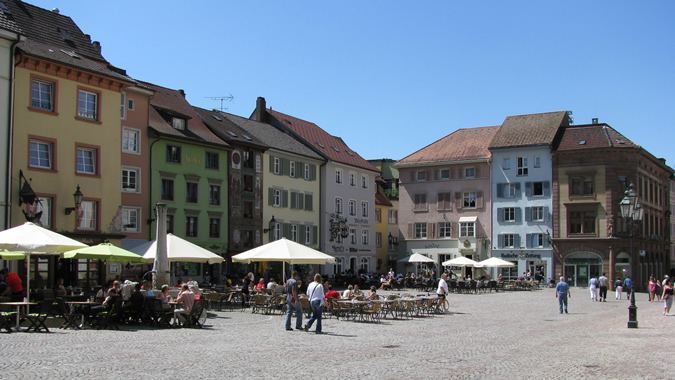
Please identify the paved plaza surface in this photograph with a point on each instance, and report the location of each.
(511, 335)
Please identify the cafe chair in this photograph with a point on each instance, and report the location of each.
(70, 318)
(37, 320)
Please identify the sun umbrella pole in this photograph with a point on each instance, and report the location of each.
(161, 266)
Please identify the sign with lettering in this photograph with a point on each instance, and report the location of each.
(192, 160)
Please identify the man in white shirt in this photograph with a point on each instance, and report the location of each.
(443, 290)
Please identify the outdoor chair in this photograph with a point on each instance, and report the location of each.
(37, 320)
(70, 319)
(109, 318)
(228, 298)
(159, 316)
(371, 312)
(259, 303)
(197, 316)
(211, 298)
(7, 320)
(304, 302)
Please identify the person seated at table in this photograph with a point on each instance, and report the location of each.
(272, 284)
(13, 286)
(185, 300)
(500, 278)
(103, 292)
(136, 300)
(373, 294)
(179, 283)
(261, 284)
(357, 292)
(117, 287)
(164, 297)
(59, 289)
(383, 282)
(147, 286)
(348, 293)
(330, 294)
(107, 304)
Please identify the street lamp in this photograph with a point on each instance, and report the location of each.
(631, 209)
(78, 201)
(271, 225)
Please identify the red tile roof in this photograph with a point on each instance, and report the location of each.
(171, 102)
(592, 136)
(381, 198)
(462, 145)
(330, 146)
(529, 130)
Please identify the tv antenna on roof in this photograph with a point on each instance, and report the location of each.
(229, 98)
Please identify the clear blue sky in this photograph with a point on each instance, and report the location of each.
(391, 77)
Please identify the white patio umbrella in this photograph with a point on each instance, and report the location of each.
(462, 261)
(30, 239)
(496, 262)
(416, 258)
(179, 250)
(286, 251)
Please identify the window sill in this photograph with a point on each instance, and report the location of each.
(40, 169)
(88, 175)
(91, 121)
(582, 235)
(43, 111)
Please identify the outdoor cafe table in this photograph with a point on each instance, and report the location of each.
(18, 310)
(356, 305)
(81, 304)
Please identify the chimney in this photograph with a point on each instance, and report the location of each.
(182, 92)
(260, 110)
(594, 120)
(97, 46)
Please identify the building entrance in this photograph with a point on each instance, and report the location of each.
(580, 267)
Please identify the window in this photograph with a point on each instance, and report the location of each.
(249, 158)
(294, 232)
(214, 228)
(469, 199)
(248, 209)
(131, 139)
(338, 205)
(291, 171)
(308, 174)
(469, 172)
(538, 189)
(537, 161)
(582, 222)
(86, 160)
(444, 174)
(365, 237)
(537, 214)
(212, 160)
(421, 175)
(582, 186)
(509, 190)
(378, 215)
(509, 214)
(536, 240)
(378, 239)
(420, 202)
(45, 206)
(352, 179)
(169, 224)
(308, 235)
(123, 106)
(467, 229)
(352, 235)
(364, 265)
(41, 154)
(191, 226)
(131, 180)
(509, 241)
(191, 192)
(87, 105)
(276, 165)
(173, 154)
(507, 163)
(420, 230)
(131, 105)
(42, 95)
(352, 208)
(364, 181)
(167, 189)
(444, 229)
(338, 176)
(364, 209)
(248, 183)
(522, 166)
(276, 198)
(214, 195)
(88, 216)
(178, 123)
(130, 219)
(392, 216)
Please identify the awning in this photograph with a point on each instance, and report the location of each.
(466, 219)
(435, 252)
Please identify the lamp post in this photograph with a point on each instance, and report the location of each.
(271, 226)
(632, 211)
(77, 196)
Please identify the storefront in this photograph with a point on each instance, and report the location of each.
(580, 267)
(539, 264)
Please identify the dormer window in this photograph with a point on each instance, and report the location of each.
(178, 123)
(65, 35)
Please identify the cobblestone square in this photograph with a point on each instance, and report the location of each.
(510, 335)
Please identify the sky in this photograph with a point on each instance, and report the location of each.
(391, 77)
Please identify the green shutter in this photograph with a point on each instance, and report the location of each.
(301, 201)
(270, 195)
(287, 230)
(271, 164)
(309, 202)
(285, 166)
(284, 198)
(312, 172)
(315, 236)
(294, 200)
(301, 234)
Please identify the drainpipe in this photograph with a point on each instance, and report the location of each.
(10, 135)
(150, 180)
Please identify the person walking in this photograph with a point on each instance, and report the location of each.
(316, 298)
(594, 288)
(562, 292)
(667, 297)
(618, 287)
(442, 291)
(603, 281)
(628, 287)
(293, 303)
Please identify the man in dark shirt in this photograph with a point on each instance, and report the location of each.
(293, 303)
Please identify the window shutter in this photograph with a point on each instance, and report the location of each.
(294, 199)
(301, 234)
(528, 242)
(284, 198)
(547, 216)
(458, 200)
(315, 233)
(287, 230)
(271, 164)
(518, 194)
(454, 228)
(428, 174)
(528, 214)
(477, 172)
(547, 188)
(312, 172)
(500, 190)
(301, 202)
(411, 231)
(500, 215)
(285, 166)
(309, 202)
(516, 241)
(299, 169)
(412, 176)
(270, 196)
(500, 239)
(432, 230)
(528, 189)
(519, 216)
(479, 199)
(544, 241)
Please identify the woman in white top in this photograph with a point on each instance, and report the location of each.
(316, 299)
(347, 294)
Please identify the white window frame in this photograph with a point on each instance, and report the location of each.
(129, 135)
(537, 214)
(39, 100)
(467, 197)
(308, 174)
(365, 237)
(338, 206)
(127, 218)
(378, 215)
(352, 207)
(88, 214)
(137, 173)
(364, 209)
(470, 172)
(294, 233)
(338, 176)
(467, 229)
(308, 235)
(123, 106)
(291, 169)
(82, 166)
(276, 198)
(420, 230)
(507, 163)
(49, 150)
(178, 123)
(46, 206)
(522, 166)
(352, 236)
(276, 165)
(509, 240)
(537, 161)
(352, 179)
(444, 229)
(365, 181)
(509, 190)
(85, 112)
(392, 216)
(537, 240)
(509, 214)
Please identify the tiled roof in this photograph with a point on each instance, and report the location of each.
(529, 130)
(464, 144)
(331, 146)
(227, 130)
(381, 198)
(7, 21)
(167, 102)
(49, 28)
(66, 57)
(592, 136)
